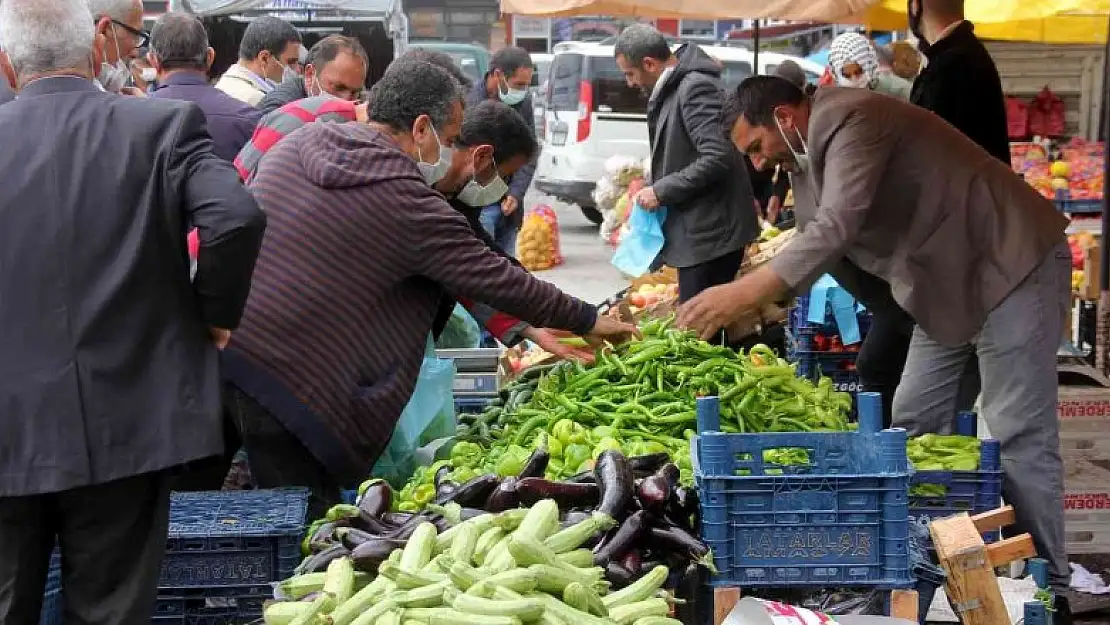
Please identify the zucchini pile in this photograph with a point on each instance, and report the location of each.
(510, 568)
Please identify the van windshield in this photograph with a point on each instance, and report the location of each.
(564, 78)
(468, 63)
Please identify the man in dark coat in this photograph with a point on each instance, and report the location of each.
(510, 74)
(696, 172)
(180, 53)
(336, 66)
(110, 378)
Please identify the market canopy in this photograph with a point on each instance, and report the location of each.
(362, 8)
(1006, 18)
(797, 10)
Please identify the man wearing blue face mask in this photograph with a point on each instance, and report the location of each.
(510, 74)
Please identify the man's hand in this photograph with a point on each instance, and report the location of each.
(134, 92)
(647, 199)
(220, 337)
(716, 308)
(509, 205)
(548, 340)
(609, 329)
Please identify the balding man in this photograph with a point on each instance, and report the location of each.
(179, 52)
(109, 359)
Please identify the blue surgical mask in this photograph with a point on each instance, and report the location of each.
(511, 96)
(434, 172)
(478, 195)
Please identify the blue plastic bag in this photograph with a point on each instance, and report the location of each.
(826, 291)
(427, 420)
(642, 243)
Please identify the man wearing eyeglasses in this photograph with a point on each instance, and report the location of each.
(120, 22)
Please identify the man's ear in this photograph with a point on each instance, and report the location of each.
(100, 43)
(210, 58)
(103, 25)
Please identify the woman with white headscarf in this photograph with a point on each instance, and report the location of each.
(854, 64)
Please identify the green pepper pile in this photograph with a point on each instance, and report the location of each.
(937, 452)
(640, 398)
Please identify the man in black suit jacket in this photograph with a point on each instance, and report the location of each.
(108, 352)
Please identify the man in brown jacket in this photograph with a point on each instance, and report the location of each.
(973, 254)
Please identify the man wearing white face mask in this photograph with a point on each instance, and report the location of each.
(269, 49)
(321, 371)
(120, 22)
(855, 64)
(508, 80)
(974, 255)
(336, 67)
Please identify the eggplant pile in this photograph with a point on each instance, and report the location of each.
(653, 516)
(366, 533)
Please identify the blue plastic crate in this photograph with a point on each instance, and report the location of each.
(841, 520)
(1076, 207)
(972, 492)
(217, 605)
(799, 324)
(233, 538)
(840, 367)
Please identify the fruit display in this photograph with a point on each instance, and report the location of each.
(1077, 170)
(639, 398)
(525, 565)
(1079, 244)
(648, 295)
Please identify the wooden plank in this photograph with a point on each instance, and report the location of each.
(971, 585)
(903, 604)
(994, 520)
(1011, 549)
(724, 600)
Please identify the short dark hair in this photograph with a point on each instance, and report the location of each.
(639, 42)
(410, 90)
(329, 48)
(440, 59)
(267, 33)
(510, 60)
(495, 123)
(179, 41)
(757, 98)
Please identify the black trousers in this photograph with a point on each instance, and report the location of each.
(278, 458)
(697, 278)
(112, 539)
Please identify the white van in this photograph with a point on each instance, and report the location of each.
(590, 114)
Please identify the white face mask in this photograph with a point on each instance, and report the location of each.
(288, 73)
(150, 74)
(859, 82)
(319, 91)
(478, 195)
(511, 96)
(434, 172)
(800, 160)
(114, 76)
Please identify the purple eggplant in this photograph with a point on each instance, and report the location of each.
(678, 541)
(445, 492)
(687, 500)
(632, 560)
(615, 480)
(618, 575)
(367, 523)
(397, 519)
(585, 477)
(504, 497)
(536, 465)
(351, 537)
(648, 464)
(441, 474)
(654, 493)
(475, 492)
(377, 499)
(567, 495)
(323, 538)
(574, 517)
(370, 554)
(623, 539)
(319, 562)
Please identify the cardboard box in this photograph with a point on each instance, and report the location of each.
(1084, 413)
(1091, 262)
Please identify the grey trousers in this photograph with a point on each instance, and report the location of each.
(112, 539)
(1016, 350)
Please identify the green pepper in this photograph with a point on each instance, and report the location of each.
(575, 454)
(512, 460)
(605, 444)
(554, 447)
(563, 430)
(603, 431)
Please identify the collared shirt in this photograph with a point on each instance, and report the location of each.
(230, 121)
(949, 30)
(667, 71)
